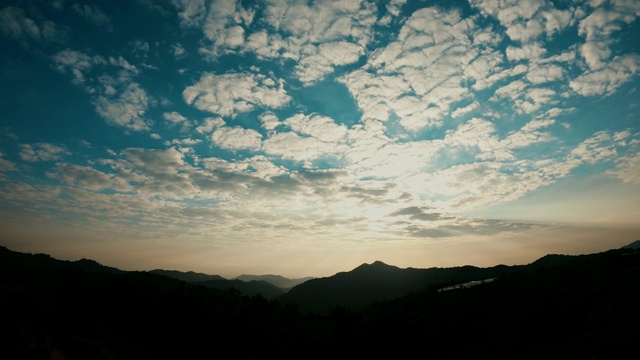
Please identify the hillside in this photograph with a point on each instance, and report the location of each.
(559, 307)
(277, 280)
(376, 282)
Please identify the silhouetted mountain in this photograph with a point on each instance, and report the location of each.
(378, 281)
(189, 276)
(267, 290)
(634, 245)
(582, 308)
(276, 280)
(558, 307)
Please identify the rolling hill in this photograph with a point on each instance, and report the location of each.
(558, 307)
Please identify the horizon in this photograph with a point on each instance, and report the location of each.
(305, 138)
(316, 277)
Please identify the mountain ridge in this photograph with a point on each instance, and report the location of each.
(542, 310)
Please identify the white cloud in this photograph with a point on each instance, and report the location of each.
(420, 75)
(320, 127)
(319, 36)
(608, 79)
(556, 20)
(289, 145)
(597, 148)
(512, 90)
(528, 52)
(175, 117)
(15, 24)
(42, 152)
(529, 134)
(117, 98)
(178, 51)
(544, 73)
(534, 99)
(191, 12)
(595, 54)
(77, 63)
(157, 161)
(223, 26)
(127, 109)
(236, 138)
(602, 23)
(5, 165)
(525, 31)
(462, 111)
(322, 60)
(209, 124)
(480, 137)
(229, 94)
(88, 178)
(628, 169)
(269, 121)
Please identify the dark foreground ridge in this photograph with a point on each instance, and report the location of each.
(559, 307)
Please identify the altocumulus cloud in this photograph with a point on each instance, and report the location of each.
(329, 121)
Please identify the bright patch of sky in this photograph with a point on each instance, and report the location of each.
(278, 132)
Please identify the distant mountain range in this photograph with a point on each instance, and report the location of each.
(269, 286)
(557, 307)
(276, 280)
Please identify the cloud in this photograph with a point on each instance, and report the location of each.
(545, 73)
(42, 152)
(174, 118)
(88, 178)
(126, 109)
(602, 23)
(529, 52)
(269, 121)
(229, 94)
(15, 24)
(462, 111)
(606, 80)
(93, 14)
(464, 226)
(526, 20)
(116, 97)
(179, 51)
(420, 75)
(291, 146)
(76, 62)
(325, 58)
(595, 54)
(628, 169)
(191, 12)
(320, 127)
(5, 166)
(318, 36)
(209, 124)
(236, 138)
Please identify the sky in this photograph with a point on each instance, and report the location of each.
(304, 138)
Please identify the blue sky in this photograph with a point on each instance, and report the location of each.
(304, 138)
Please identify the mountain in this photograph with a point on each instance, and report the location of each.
(189, 276)
(583, 308)
(376, 282)
(277, 280)
(557, 307)
(634, 245)
(254, 287)
(266, 289)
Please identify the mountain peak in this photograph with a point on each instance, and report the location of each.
(376, 265)
(633, 245)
